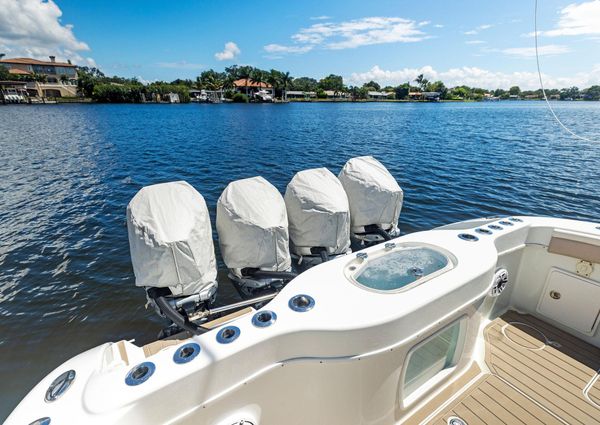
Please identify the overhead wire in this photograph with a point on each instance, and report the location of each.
(537, 58)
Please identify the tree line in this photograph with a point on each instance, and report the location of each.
(93, 83)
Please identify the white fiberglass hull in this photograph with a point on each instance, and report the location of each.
(344, 360)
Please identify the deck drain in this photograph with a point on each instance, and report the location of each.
(455, 420)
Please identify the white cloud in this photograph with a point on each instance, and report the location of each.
(320, 18)
(578, 19)
(528, 52)
(230, 52)
(438, 26)
(475, 77)
(478, 29)
(33, 28)
(278, 48)
(180, 65)
(474, 42)
(352, 34)
(531, 34)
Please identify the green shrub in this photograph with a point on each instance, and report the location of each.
(111, 93)
(321, 94)
(240, 98)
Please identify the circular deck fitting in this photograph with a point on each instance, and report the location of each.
(228, 334)
(468, 237)
(301, 303)
(186, 353)
(516, 220)
(495, 227)
(60, 386)
(505, 223)
(484, 231)
(263, 319)
(140, 374)
(41, 421)
(362, 255)
(455, 420)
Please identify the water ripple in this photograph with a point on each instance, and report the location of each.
(67, 173)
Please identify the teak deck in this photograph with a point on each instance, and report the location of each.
(539, 375)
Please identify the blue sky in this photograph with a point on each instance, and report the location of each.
(486, 43)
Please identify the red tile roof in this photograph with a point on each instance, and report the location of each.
(17, 71)
(29, 61)
(247, 82)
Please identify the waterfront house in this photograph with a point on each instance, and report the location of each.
(197, 95)
(298, 94)
(249, 87)
(333, 94)
(380, 95)
(59, 78)
(431, 96)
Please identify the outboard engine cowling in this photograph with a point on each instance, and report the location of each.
(375, 199)
(253, 234)
(319, 216)
(170, 240)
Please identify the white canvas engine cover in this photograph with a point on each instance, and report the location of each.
(374, 195)
(253, 226)
(170, 239)
(318, 212)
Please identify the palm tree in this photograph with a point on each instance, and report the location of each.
(274, 78)
(422, 82)
(285, 80)
(258, 76)
(2, 55)
(64, 79)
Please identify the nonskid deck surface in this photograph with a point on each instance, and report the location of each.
(539, 375)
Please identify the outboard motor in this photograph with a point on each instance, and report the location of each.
(375, 200)
(172, 253)
(319, 217)
(253, 235)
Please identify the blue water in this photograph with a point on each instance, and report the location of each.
(67, 173)
(397, 269)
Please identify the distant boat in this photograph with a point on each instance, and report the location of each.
(263, 96)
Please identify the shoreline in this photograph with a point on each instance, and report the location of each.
(89, 101)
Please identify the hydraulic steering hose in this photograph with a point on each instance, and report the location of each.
(266, 274)
(176, 317)
(374, 228)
